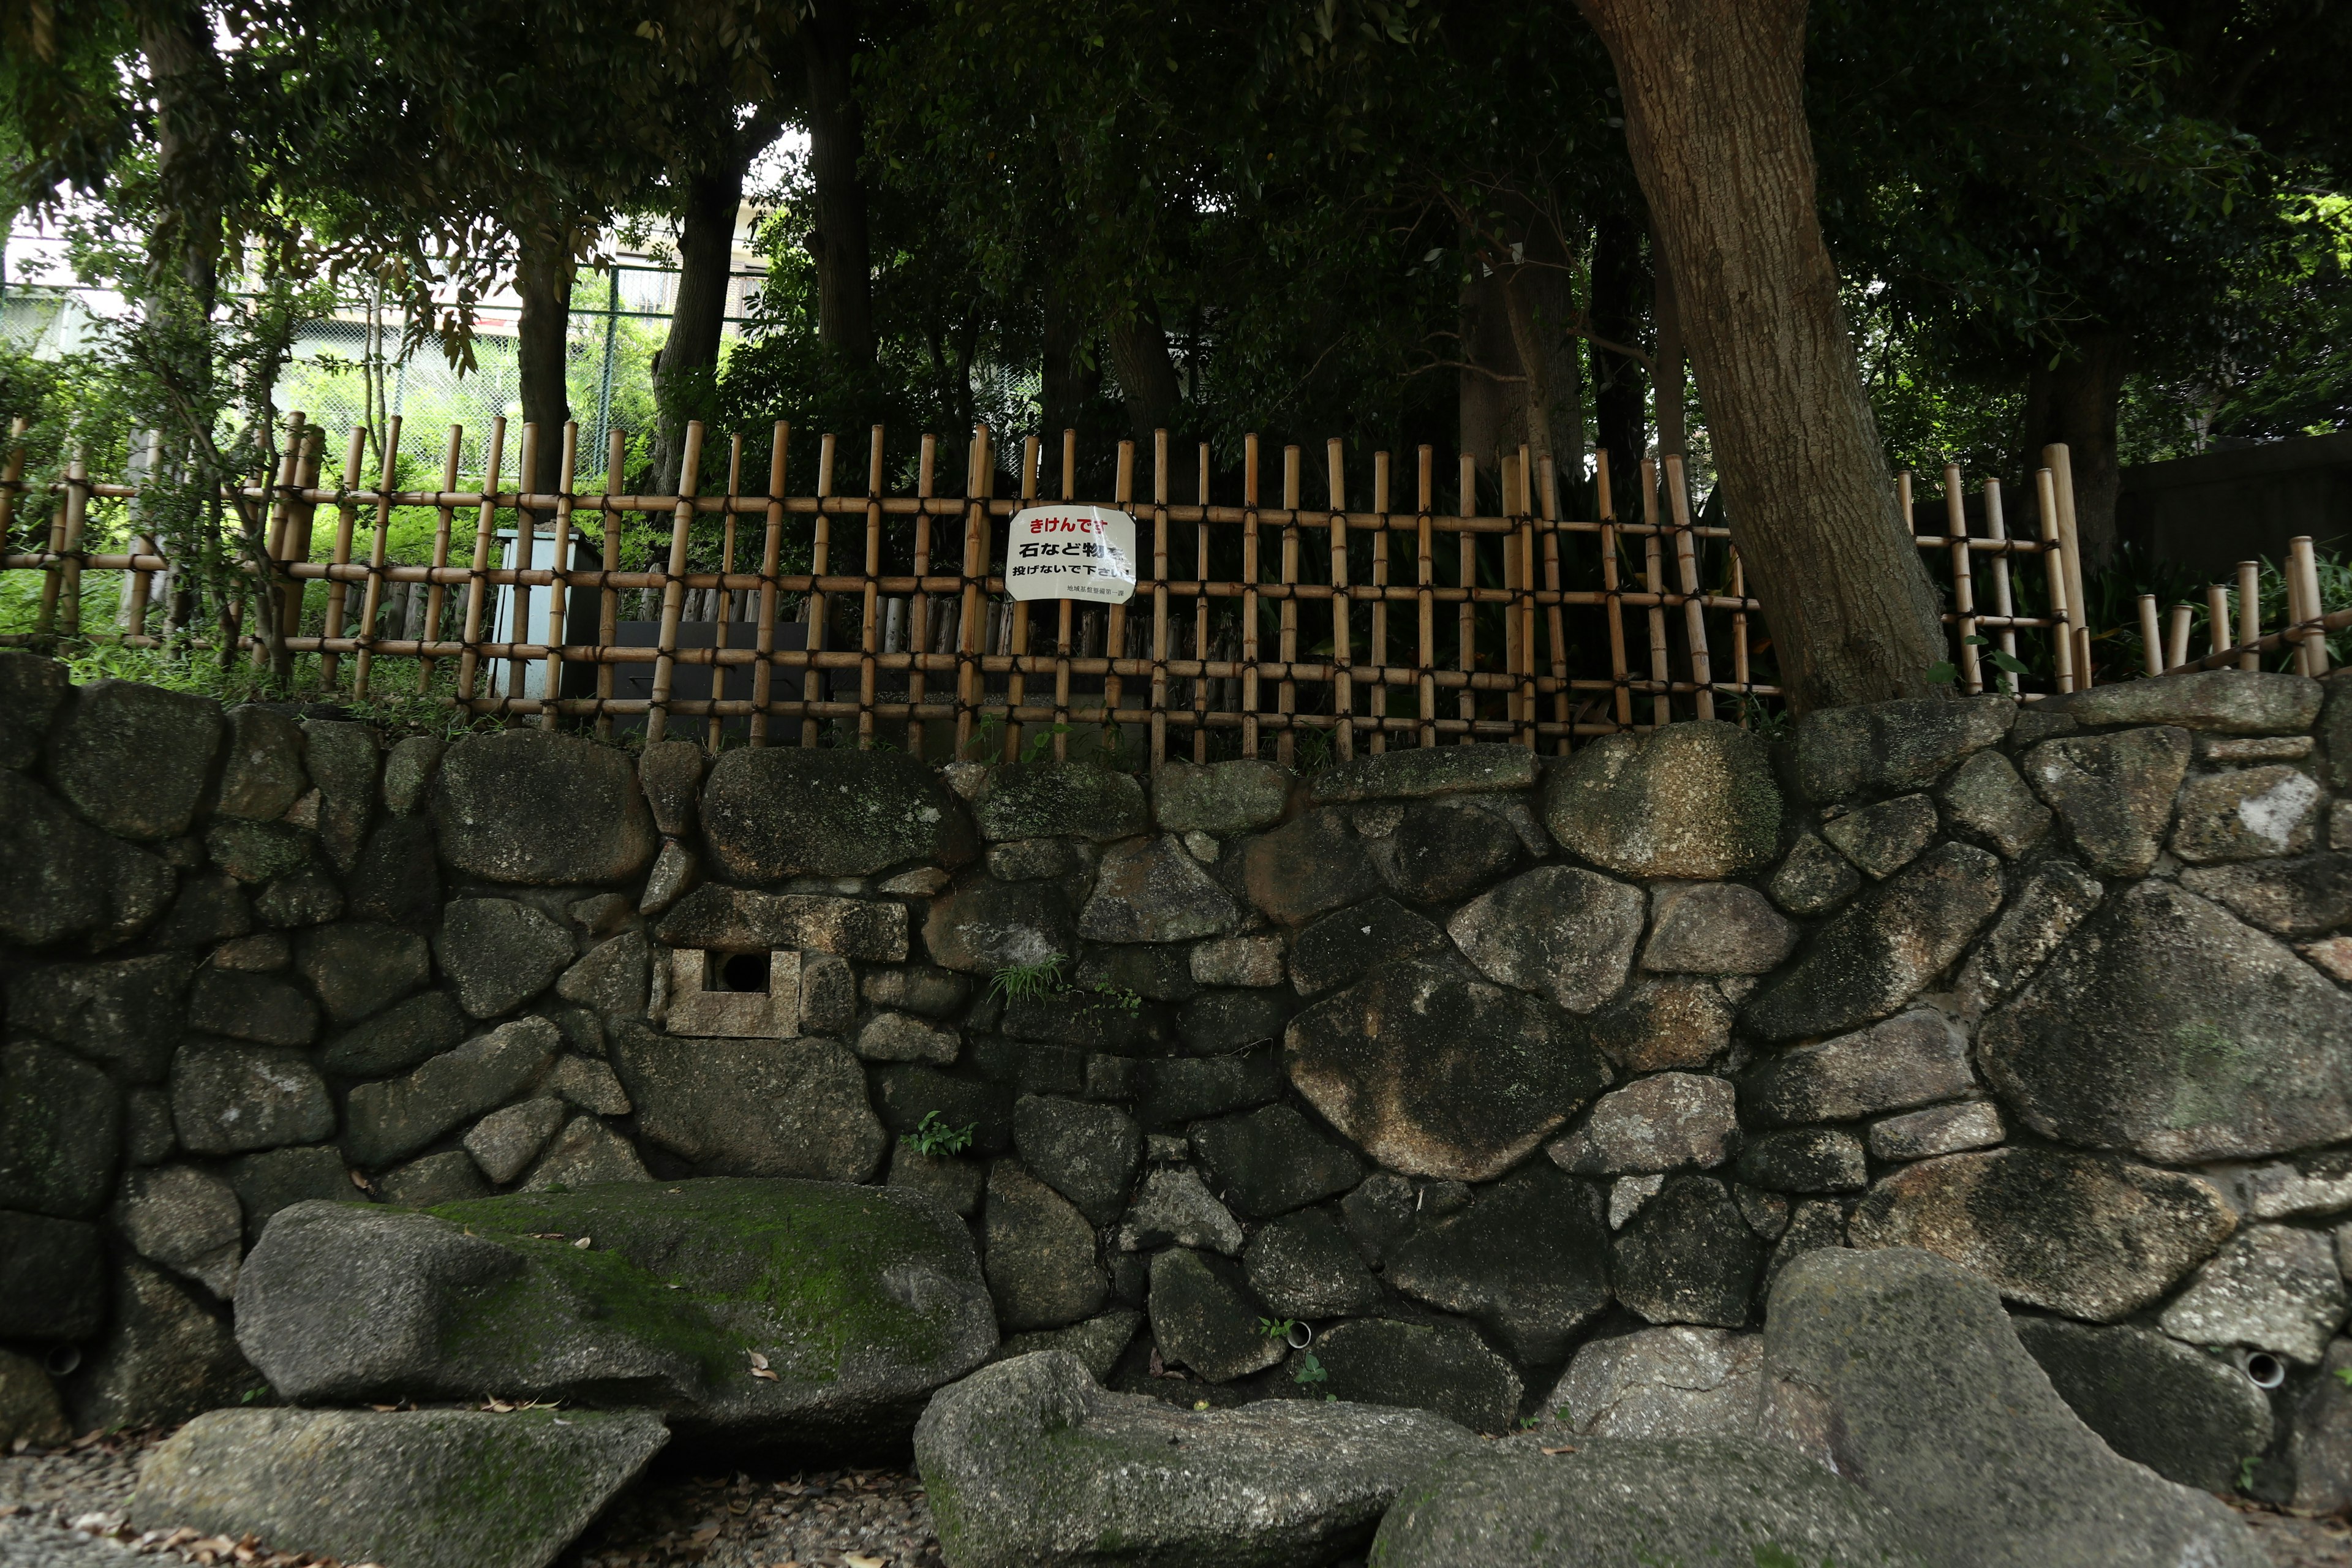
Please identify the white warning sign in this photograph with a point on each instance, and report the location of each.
(1071, 552)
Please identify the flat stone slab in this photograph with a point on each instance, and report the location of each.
(1030, 1465)
(670, 1296)
(413, 1489)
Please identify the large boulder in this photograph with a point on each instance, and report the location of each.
(2165, 1028)
(2113, 792)
(773, 812)
(2190, 1416)
(52, 1278)
(2223, 701)
(422, 1489)
(1310, 865)
(135, 760)
(1059, 799)
(1913, 1059)
(1900, 1370)
(1693, 801)
(1028, 1464)
(1529, 1258)
(1041, 1253)
(1435, 1074)
(61, 877)
(61, 1126)
(1418, 772)
(392, 1120)
(1886, 748)
(858, 1300)
(535, 807)
(1441, 1366)
(1151, 889)
(1239, 797)
(2091, 1237)
(500, 953)
(1556, 931)
(1626, 1502)
(167, 1355)
(1874, 958)
(753, 1107)
(982, 924)
(1672, 1381)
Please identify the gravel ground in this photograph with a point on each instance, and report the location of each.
(64, 1508)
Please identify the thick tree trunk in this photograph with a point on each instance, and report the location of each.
(1619, 396)
(1715, 121)
(1146, 371)
(542, 332)
(1668, 384)
(844, 283)
(182, 68)
(2076, 401)
(1061, 390)
(1520, 382)
(690, 356)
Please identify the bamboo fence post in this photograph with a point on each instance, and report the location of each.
(870, 631)
(2217, 618)
(2062, 478)
(1285, 750)
(1251, 570)
(1114, 619)
(469, 658)
(1016, 685)
(2003, 603)
(1702, 662)
(346, 523)
(1653, 582)
(1739, 670)
(302, 517)
(379, 550)
(714, 733)
(817, 684)
(1612, 592)
(1160, 628)
(2176, 636)
(1523, 544)
(919, 603)
(771, 556)
(526, 548)
(77, 518)
(1510, 480)
(1556, 613)
(1064, 615)
(559, 587)
(1466, 480)
(1425, 595)
(2063, 612)
(52, 562)
(1201, 646)
(2152, 646)
(608, 598)
(141, 583)
(689, 476)
(2249, 614)
(436, 593)
(1343, 684)
(971, 632)
(1376, 700)
(267, 597)
(1964, 581)
(2307, 572)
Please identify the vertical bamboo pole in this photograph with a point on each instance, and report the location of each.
(2176, 636)
(52, 572)
(681, 522)
(1016, 688)
(870, 628)
(971, 632)
(1964, 580)
(817, 684)
(2054, 564)
(1654, 579)
(918, 606)
(379, 548)
(2062, 478)
(608, 598)
(1286, 694)
(772, 557)
(2249, 614)
(1425, 576)
(2151, 646)
(436, 593)
(1512, 480)
(1115, 623)
(346, 523)
(1343, 682)
(558, 589)
(76, 514)
(714, 733)
(2217, 618)
(1555, 616)
(1466, 480)
(1251, 570)
(268, 596)
(1620, 674)
(1201, 684)
(142, 583)
(1523, 545)
(2306, 571)
(2003, 605)
(526, 546)
(1160, 542)
(1378, 699)
(1702, 661)
(1065, 615)
(469, 656)
(1740, 672)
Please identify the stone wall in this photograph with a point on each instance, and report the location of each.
(1512, 1081)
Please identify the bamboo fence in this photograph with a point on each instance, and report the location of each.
(1347, 629)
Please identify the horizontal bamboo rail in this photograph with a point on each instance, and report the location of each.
(1331, 629)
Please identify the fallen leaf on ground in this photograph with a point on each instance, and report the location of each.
(1559, 1450)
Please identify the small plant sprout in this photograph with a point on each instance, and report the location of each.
(1027, 982)
(1309, 1370)
(933, 1136)
(2343, 1374)
(1276, 1328)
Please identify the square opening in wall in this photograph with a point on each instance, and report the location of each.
(753, 995)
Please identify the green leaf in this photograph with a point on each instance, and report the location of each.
(1942, 674)
(2009, 662)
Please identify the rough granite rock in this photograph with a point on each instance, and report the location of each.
(32, 690)
(1436, 1075)
(1309, 866)
(1040, 1253)
(951, 1183)
(1675, 1381)
(280, 1178)
(261, 770)
(1174, 1206)
(753, 1107)
(862, 1300)
(1870, 959)
(1303, 1266)
(2113, 793)
(1693, 801)
(342, 760)
(256, 1007)
(167, 1356)
(1987, 800)
(670, 772)
(1805, 1160)
(2190, 1416)
(60, 1125)
(505, 1142)
(1913, 1059)
(903, 1037)
(1689, 1256)
(52, 1278)
(1901, 1370)
(1239, 797)
(1664, 1122)
(1441, 1366)
(2223, 701)
(1813, 878)
(520, 806)
(2087, 1236)
(1088, 1153)
(1059, 799)
(1714, 928)
(1884, 839)
(134, 760)
(584, 1154)
(61, 877)
(1444, 849)
(30, 1414)
(1418, 772)
(359, 968)
(1886, 748)
(445, 1178)
(397, 879)
(424, 1488)
(389, 1121)
(1204, 1318)
(2247, 814)
(499, 954)
(1664, 1023)
(736, 920)
(397, 1038)
(186, 1220)
(1239, 960)
(775, 811)
(2057, 894)
(1029, 1465)
(1273, 1160)
(1608, 1502)
(257, 851)
(1938, 1129)
(1559, 931)
(1151, 889)
(227, 1099)
(2271, 1287)
(408, 770)
(1345, 945)
(2301, 897)
(2165, 1028)
(1215, 1023)
(983, 925)
(1529, 1258)
(2319, 1446)
(1098, 1344)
